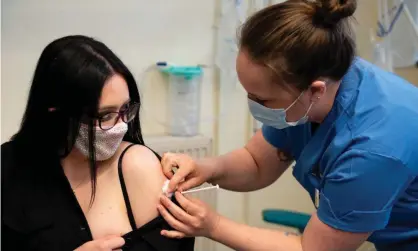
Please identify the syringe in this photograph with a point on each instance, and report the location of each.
(165, 187)
(200, 189)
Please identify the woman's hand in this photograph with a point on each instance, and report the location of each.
(110, 243)
(193, 218)
(188, 175)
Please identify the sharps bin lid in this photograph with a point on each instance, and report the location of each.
(188, 72)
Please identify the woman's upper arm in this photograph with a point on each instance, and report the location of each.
(144, 180)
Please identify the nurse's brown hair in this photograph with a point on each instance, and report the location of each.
(302, 40)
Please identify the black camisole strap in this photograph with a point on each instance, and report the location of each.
(125, 193)
(123, 186)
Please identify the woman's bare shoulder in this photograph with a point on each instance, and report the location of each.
(144, 180)
(142, 165)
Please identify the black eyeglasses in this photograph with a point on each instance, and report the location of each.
(127, 113)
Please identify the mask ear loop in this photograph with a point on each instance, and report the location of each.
(310, 107)
(294, 102)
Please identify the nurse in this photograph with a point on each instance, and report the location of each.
(351, 127)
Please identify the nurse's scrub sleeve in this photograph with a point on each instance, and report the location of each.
(277, 138)
(361, 189)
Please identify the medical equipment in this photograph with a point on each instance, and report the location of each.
(200, 189)
(381, 53)
(161, 117)
(184, 99)
(165, 188)
(183, 104)
(399, 32)
(233, 14)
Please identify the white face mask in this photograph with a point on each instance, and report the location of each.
(106, 142)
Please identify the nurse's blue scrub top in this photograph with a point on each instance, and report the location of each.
(363, 158)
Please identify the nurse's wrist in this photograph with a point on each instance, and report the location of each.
(211, 169)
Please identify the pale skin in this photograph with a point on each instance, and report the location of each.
(107, 217)
(252, 167)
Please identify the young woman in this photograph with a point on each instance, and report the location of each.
(77, 175)
(351, 127)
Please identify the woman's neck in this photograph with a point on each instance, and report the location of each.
(77, 168)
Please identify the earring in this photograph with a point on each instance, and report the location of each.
(316, 99)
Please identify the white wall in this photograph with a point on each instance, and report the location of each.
(141, 32)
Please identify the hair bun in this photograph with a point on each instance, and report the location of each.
(330, 12)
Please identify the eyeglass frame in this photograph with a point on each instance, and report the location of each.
(120, 115)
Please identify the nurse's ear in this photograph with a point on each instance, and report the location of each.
(318, 89)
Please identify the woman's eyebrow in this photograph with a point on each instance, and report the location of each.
(113, 107)
(127, 102)
(108, 108)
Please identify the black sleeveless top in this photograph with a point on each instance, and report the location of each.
(41, 212)
(148, 237)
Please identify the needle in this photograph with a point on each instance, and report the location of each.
(200, 189)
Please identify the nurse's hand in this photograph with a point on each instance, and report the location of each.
(189, 173)
(193, 218)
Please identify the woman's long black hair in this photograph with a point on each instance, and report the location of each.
(66, 88)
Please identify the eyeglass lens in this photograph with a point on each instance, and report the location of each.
(126, 113)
